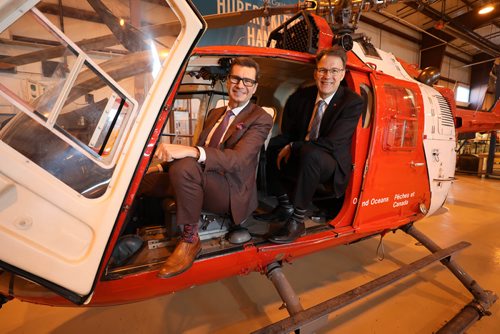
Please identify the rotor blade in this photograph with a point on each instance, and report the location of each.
(215, 21)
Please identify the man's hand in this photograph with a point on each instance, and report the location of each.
(171, 152)
(284, 154)
(152, 169)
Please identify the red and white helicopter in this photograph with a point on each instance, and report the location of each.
(86, 114)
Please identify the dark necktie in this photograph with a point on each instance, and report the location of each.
(221, 129)
(314, 131)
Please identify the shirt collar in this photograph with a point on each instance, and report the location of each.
(327, 100)
(237, 110)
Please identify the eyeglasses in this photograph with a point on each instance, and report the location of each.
(333, 71)
(234, 79)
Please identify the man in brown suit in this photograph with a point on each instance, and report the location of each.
(217, 175)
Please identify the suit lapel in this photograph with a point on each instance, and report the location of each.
(308, 105)
(242, 116)
(331, 111)
(212, 118)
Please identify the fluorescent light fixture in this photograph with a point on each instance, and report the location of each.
(486, 9)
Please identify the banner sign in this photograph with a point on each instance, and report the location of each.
(255, 33)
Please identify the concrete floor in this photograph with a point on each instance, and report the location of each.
(420, 303)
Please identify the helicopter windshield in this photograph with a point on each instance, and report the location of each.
(70, 91)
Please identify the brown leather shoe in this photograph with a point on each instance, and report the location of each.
(181, 259)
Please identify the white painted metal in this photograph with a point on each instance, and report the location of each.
(439, 146)
(50, 230)
(11, 10)
(387, 63)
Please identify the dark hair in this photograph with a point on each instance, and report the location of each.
(246, 62)
(336, 51)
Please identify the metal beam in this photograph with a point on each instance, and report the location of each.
(391, 30)
(71, 12)
(445, 38)
(456, 29)
(460, 59)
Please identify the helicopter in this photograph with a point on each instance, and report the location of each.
(88, 114)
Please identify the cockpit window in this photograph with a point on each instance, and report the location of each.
(69, 92)
(401, 134)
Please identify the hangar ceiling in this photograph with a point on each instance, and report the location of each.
(455, 22)
(451, 27)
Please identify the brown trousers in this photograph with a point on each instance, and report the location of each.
(194, 190)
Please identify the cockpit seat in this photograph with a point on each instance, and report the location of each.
(214, 225)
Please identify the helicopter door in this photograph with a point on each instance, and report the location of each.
(395, 181)
(74, 126)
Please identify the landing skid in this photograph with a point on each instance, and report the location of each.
(307, 321)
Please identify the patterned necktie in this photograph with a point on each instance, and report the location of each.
(221, 129)
(314, 131)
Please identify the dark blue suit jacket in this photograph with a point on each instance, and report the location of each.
(337, 127)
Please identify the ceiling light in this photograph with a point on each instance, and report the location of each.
(122, 22)
(486, 9)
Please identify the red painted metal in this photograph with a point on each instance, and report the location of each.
(251, 258)
(325, 35)
(470, 121)
(392, 187)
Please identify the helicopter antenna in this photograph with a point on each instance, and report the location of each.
(331, 17)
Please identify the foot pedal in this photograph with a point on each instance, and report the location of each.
(239, 236)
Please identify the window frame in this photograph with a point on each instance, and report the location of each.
(400, 118)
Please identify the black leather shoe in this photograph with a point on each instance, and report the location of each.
(279, 213)
(289, 233)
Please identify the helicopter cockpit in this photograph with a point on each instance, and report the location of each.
(151, 231)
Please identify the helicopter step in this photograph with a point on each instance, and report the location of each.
(307, 321)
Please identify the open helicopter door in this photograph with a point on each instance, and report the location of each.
(395, 180)
(76, 133)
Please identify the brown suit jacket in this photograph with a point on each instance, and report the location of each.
(237, 157)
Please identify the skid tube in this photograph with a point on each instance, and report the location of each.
(306, 321)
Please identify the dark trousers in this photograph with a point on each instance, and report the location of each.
(306, 169)
(193, 189)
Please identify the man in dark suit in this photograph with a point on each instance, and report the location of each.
(217, 175)
(314, 146)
